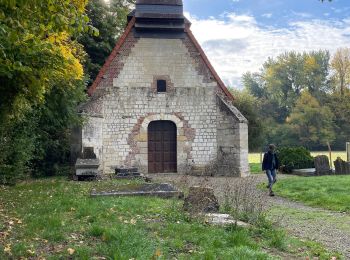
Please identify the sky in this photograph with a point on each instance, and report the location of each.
(239, 35)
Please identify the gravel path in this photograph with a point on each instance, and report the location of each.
(332, 229)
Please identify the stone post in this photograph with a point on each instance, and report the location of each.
(348, 151)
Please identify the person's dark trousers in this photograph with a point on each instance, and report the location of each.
(271, 175)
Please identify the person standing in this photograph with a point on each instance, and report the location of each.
(270, 165)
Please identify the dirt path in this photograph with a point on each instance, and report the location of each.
(332, 229)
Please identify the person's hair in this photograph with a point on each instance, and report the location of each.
(272, 147)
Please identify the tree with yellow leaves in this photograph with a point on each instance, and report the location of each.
(341, 67)
(42, 80)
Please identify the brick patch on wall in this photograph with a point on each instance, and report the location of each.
(134, 149)
(118, 63)
(169, 84)
(201, 67)
(188, 132)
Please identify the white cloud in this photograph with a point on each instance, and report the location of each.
(267, 15)
(236, 44)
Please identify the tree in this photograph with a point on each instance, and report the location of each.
(254, 84)
(248, 104)
(281, 81)
(340, 107)
(341, 66)
(110, 20)
(36, 47)
(313, 123)
(38, 57)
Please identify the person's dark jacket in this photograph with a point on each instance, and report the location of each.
(267, 162)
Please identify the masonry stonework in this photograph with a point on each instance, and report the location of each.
(209, 128)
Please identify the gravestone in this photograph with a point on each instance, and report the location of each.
(322, 165)
(201, 200)
(86, 167)
(341, 167)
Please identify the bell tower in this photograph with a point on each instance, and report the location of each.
(159, 19)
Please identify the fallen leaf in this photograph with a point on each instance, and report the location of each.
(133, 221)
(70, 251)
(158, 253)
(7, 249)
(31, 252)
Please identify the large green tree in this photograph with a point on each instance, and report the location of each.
(38, 58)
(312, 122)
(340, 107)
(281, 81)
(280, 88)
(36, 49)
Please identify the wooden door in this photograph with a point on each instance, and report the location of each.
(162, 150)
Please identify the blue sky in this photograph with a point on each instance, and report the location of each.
(239, 35)
(271, 12)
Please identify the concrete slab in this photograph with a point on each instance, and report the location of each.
(163, 190)
(223, 220)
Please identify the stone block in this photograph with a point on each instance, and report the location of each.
(322, 165)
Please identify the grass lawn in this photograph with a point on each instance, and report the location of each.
(255, 168)
(329, 192)
(56, 219)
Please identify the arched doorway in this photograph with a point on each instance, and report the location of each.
(162, 147)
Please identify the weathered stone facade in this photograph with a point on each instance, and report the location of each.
(125, 101)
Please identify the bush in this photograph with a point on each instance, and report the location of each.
(244, 201)
(295, 158)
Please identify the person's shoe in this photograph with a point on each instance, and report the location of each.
(272, 194)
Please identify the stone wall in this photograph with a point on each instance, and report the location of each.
(92, 135)
(232, 137)
(130, 103)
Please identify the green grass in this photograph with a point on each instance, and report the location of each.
(329, 192)
(48, 217)
(56, 219)
(255, 157)
(255, 168)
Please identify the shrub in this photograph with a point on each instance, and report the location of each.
(244, 201)
(295, 158)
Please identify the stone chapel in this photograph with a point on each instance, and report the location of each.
(157, 104)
